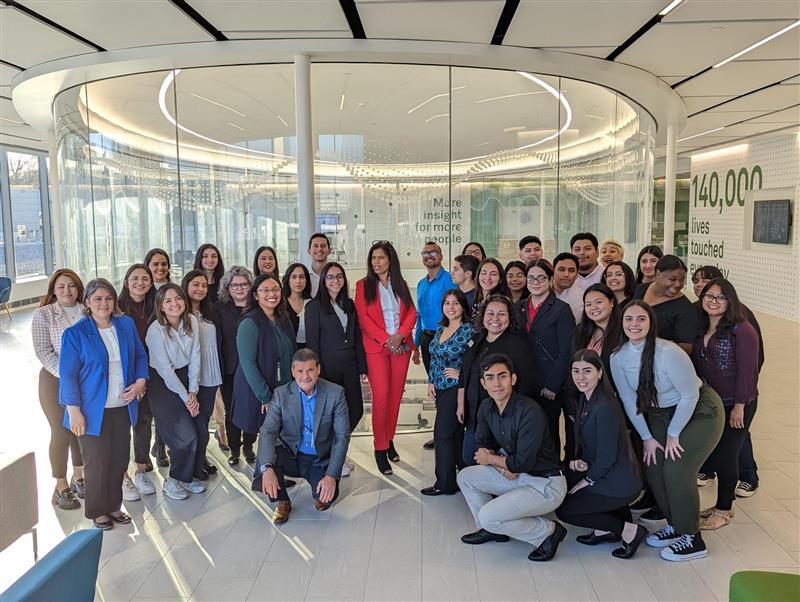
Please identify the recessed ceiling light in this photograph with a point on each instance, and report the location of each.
(757, 44)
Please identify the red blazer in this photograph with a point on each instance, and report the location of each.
(370, 319)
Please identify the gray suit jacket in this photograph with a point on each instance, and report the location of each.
(283, 425)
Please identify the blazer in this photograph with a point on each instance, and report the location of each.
(373, 329)
(605, 446)
(340, 349)
(227, 317)
(47, 327)
(283, 425)
(83, 368)
(509, 343)
(549, 341)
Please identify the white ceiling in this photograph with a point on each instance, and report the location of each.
(692, 38)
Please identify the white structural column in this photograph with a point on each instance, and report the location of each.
(305, 151)
(669, 189)
(55, 201)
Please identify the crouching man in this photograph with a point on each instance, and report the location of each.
(518, 478)
(305, 434)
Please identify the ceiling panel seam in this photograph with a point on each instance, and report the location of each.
(50, 23)
(350, 11)
(504, 22)
(188, 10)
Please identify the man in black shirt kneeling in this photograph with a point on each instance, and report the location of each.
(518, 477)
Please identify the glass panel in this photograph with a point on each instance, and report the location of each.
(3, 269)
(26, 214)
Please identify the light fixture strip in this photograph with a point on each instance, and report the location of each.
(701, 134)
(757, 44)
(434, 97)
(670, 7)
(341, 103)
(234, 125)
(478, 102)
(219, 104)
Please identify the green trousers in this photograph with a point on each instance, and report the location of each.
(674, 483)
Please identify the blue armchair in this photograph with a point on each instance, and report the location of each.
(68, 573)
(5, 293)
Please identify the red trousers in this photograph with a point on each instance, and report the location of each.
(387, 379)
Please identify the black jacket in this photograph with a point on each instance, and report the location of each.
(605, 447)
(549, 341)
(340, 349)
(509, 343)
(227, 322)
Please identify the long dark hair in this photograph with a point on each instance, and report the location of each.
(466, 314)
(477, 244)
(516, 263)
(585, 329)
(149, 257)
(646, 396)
(206, 305)
(707, 272)
(399, 285)
(653, 250)
(342, 299)
(281, 313)
(187, 310)
(630, 278)
(513, 326)
(591, 357)
(259, 251)
(219, 271)
(287, 290)
(500, 289)
(734, 313)
(125, 299)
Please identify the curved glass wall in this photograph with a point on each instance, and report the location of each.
(406, 153)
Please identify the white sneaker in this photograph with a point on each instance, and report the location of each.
(345, 470)
(195, 486)
(143, 483)
(174, 490)
(129, 491)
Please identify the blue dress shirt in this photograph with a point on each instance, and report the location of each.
(307, 440)
(429, 301)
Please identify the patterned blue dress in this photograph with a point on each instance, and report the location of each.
(449, 354)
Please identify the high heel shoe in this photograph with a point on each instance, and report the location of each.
(627, 550)
(392, 453)
(383, 462)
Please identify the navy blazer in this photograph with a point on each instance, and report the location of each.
(83, 366)
(549, 340)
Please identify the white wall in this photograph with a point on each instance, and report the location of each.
(766, 276)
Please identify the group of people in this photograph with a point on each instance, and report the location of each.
(655, 393)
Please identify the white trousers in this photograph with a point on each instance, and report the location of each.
(512, 507)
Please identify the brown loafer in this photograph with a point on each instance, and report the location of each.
(322, 507)
(281, 514)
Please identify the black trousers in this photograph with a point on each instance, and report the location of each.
(724, 460)
(588, 509)
(205, 396)
(448, 436)
(62, 440)
(301, 467)
(425, 338)
(106, 459)
(748, 469)
(236, 437)
(181, 431)
(351, 381)
(552, 409)
(143, 431)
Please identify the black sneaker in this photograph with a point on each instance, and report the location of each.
(688, 547)
(744, 489)
(704, 478)
(662, 538)
(653, 515)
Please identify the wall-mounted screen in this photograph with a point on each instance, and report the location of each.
(772, 221)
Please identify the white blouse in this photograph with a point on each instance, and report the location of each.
(116, 380)
(172, 349)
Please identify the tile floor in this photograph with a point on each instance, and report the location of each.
(384, 541)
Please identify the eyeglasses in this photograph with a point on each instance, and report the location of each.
(537, 279)
(430, 253)
(239, 285)
(334, 277)
(715, 298)
(266, 291)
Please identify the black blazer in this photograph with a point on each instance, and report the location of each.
(509, 343)
(549, 341)
(227, 322)
(605, 447)
(340, 349)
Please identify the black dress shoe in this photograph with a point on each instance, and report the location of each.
(627, 550)
(590, 539)
(249, 455)
(202, 475)
(210, 468)
(222, 446)
(483, 536)
(428, 444)
(233, 460)
(547, 549)
(434, 491)
(392, 453)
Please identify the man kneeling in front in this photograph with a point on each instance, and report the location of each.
(518, 477)
(305, 434)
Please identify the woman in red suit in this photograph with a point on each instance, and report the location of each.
(387, 315)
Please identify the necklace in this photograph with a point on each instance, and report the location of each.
(139, 314)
